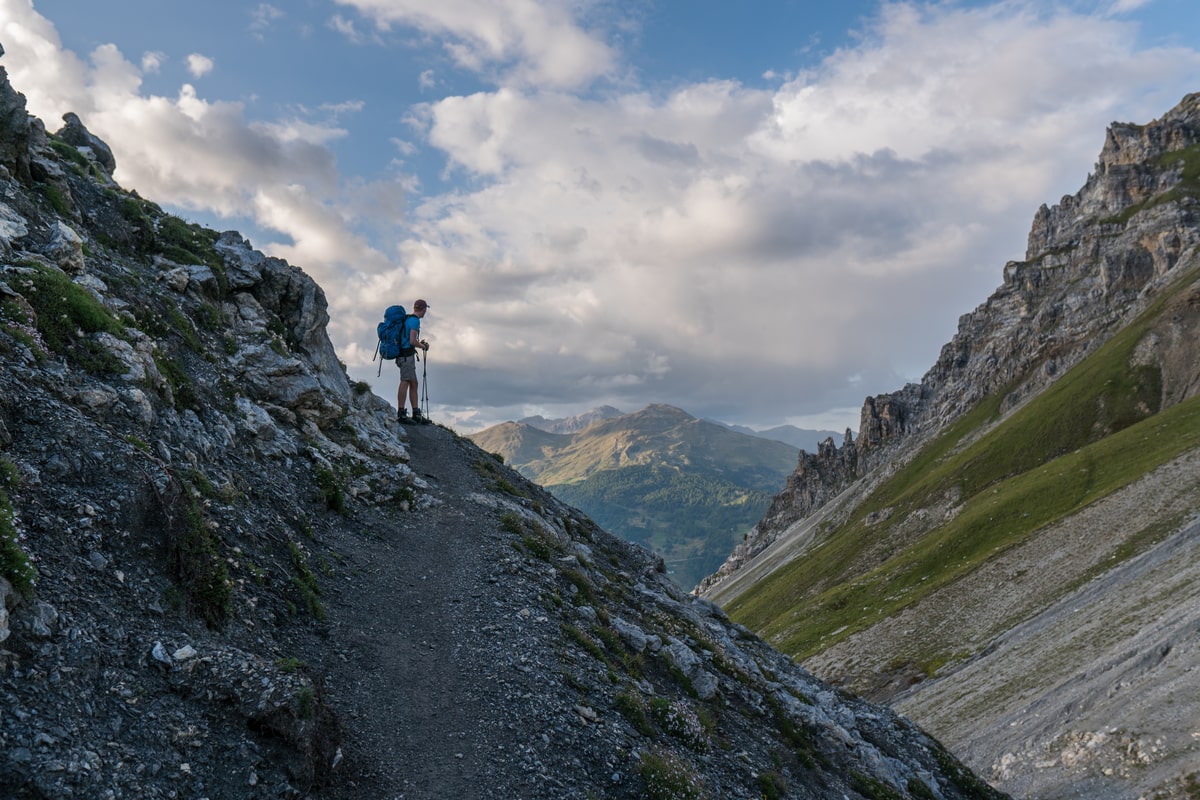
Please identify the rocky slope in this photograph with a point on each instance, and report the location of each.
(1051, 450)
(227, 573)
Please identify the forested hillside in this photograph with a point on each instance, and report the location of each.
(686, 488)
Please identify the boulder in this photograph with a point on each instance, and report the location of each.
(74, 132)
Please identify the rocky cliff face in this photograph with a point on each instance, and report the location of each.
(1092, 264)
(226, 572)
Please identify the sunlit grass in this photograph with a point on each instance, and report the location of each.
(1095, 431)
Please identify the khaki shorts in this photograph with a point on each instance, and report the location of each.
(408, 367)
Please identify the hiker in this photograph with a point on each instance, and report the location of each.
(407, 362)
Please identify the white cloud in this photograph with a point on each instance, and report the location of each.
(153, 61)
(199, 65)
(532, 42)
(1126, 6)
(263, 17)
(347, 29)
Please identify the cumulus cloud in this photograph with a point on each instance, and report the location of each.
(199, 65)
(530, 42)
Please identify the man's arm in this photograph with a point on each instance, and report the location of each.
(414, 337)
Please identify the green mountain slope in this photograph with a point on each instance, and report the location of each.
(687, 488)
(981, 487)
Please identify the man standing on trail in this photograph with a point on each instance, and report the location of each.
(411, 342)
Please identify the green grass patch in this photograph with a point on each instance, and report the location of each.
(69, 152)
(1091, 433)
(332, 492)
(289, 665)
(586, 642)
(305, 582)
(188, 243)
(195, 558)
(183, 391)
(57, 199)
(16, 564)
(66, 312)
(668, 777)
(991, 522)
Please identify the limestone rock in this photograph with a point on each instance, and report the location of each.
(65, 248)
(74, 132)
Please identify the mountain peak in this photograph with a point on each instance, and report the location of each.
(571, 424)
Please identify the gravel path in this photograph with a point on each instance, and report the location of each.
(416, 674)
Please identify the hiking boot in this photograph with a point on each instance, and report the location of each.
(402, 416)
(418, 418)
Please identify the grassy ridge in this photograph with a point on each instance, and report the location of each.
(1093, 432)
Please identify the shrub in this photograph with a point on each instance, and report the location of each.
(331, 490)
(510, 522)
(633, 709)
(15, 564)
(679, 720)
(196, 560)
(772, 785)
(668, 777)
(306, 582)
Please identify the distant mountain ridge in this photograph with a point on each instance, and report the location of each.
(686, 487)
(801, 438)
(571, 424)
(1005, 551)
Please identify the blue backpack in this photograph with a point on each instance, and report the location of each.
(391, 335)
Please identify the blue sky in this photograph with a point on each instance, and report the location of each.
(761, 212)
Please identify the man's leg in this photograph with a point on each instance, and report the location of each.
(414, 400)
(408, 385)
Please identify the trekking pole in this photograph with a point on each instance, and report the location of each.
(425, 385)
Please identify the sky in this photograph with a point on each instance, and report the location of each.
(762, 212)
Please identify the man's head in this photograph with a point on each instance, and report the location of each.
(420, 307)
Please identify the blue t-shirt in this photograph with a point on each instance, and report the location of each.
(412, 323)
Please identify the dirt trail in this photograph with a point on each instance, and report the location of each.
(405, 659)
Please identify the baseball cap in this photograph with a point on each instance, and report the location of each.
(420, 304)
